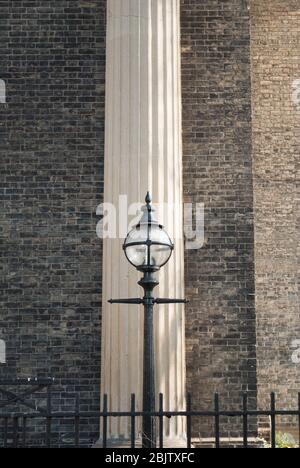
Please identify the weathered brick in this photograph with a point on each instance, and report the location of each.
(52, 130)
(217, 162)
(275, 41)
(52, 57)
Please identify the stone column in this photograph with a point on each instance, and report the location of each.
(143, 152)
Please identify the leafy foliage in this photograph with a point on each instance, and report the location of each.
(284, 441)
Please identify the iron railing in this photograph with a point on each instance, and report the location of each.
(20, 419)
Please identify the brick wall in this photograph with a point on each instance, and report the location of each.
(276, 142)
(218, 171)
(52, 57)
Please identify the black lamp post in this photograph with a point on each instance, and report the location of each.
(148, 247)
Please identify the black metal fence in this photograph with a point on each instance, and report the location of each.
(15, 424)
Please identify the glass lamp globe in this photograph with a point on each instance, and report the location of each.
(148, 246)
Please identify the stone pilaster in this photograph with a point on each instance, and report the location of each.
(143, 152)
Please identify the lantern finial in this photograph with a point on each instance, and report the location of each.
(148, 199)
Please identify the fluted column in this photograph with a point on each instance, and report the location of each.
(143, 152)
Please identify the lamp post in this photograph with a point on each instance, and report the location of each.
(148, 248)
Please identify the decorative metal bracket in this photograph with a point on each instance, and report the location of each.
(138, 301)
(171, 301)
(126, 301)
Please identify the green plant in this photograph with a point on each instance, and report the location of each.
(284, 441)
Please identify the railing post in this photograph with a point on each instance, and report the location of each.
(77, 422)
(49, 418)
(189, 421)
(161, 420)
(273, 421)
(133, 416)
(217, 420)
(299, 418)
(105, 399)
(5, 432)
(24, 432)
(245, 420)
(15, 432)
